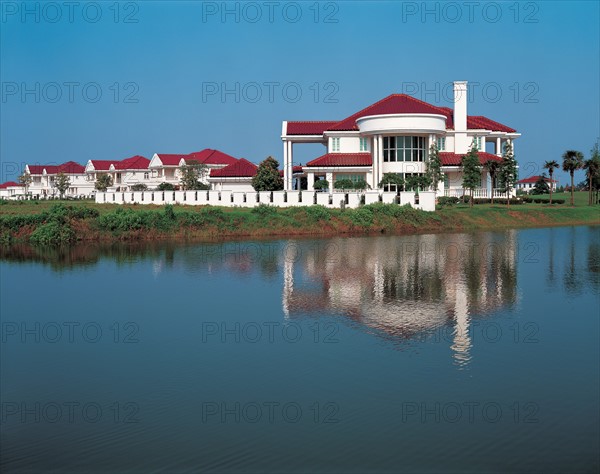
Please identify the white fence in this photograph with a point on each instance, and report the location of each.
(425, 200)
(477, 193)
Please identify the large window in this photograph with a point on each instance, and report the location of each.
(403, 148)
(363, 144)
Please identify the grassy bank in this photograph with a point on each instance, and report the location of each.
(50, 223)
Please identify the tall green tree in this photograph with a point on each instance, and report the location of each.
(267, 177)
(471, 171)
(62, 183)
(25, 179)
(572, 161)
(541, 185)
(551, 165)
(433, 169)
(103, 182)
(592, 167)
(492, 167)
(191, 175)
(509, 171)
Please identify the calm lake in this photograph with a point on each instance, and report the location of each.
(434, 353)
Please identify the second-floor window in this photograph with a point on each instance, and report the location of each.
(146, 175)
(335, 144)
(441, 143)
(477, 142)
(363, 144)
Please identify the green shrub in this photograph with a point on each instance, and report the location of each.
(264, 210)
(53, 233)
(169, 212)
(448, 201)
(361, 217)
(318, 213)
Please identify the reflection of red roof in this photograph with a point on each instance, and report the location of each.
(9, 184)
(206, 156)
(134, 163)
(342, 159)
(70, 167)
(454, 159)
(242, 168)
(308, 127)
(394, 104)
(533, 179)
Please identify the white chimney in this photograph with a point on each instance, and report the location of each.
(461, 144)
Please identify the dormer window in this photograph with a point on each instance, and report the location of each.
(335, 144)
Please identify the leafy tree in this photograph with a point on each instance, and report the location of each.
(361, 185)
(416, 182)
(541, 186)
(139, 187)
(25, 179)
(267, 176)
(471, 169)
(343, 184)
(191, 175)
(433, 168)
(165, 187)
(508, 173)
(551, 166)
(592, 167)
(492, 167)
(392, 179)
(62, 183)
(103, 182)
(572, 161)
(321, 184)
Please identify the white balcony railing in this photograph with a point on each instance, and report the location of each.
(477, 193)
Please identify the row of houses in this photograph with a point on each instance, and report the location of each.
(393, 135)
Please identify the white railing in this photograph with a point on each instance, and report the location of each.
(481, 193)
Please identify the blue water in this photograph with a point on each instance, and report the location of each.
(435, 353)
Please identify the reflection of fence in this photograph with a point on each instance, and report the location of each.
(477, 193)
(425, 201)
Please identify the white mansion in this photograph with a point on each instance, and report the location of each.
(394, 136)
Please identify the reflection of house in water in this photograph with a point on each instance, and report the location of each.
(403, 287)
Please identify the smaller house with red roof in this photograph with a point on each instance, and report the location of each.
(236, 176)
(43, 180)
(526, 185)
(165, 167)
(124, 173)
(10, 189)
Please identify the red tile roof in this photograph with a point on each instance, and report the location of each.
(342, 159)
(9, 184)
(394, 104)
(533, 179)
(206, 156)
(136, 162)
(454, 159)
(70, 167)
(295, 169)
(102, 165)
(242, 168)
(309, 127)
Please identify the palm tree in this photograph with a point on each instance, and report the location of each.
(551, 166)
(572, 161)
(492, 167)
(593, 169)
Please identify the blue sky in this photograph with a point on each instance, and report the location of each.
(160, 68)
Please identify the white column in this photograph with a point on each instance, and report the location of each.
(310, 179)
(498, 146)
(290, 166)
(329, 178)
(374, 181)
(285, 165)
(379, 157)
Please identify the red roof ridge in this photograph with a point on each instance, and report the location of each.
(342, 159)
(242, 168)
(10, 184)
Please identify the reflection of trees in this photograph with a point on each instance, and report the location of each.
(571, 276)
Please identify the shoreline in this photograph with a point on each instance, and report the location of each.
(68, 223)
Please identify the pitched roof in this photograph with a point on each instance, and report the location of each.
(242, 168)
(295, 169)
(136, 162)
(170, 159)
(309, 127)
(342, 159)
(394, 104)
(69, 167)
(102, 165)
(9, 184)
(454, 159)
(533, 179)
(207, 156)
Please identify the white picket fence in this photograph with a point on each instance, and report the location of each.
(425, 200)
(477, 193)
